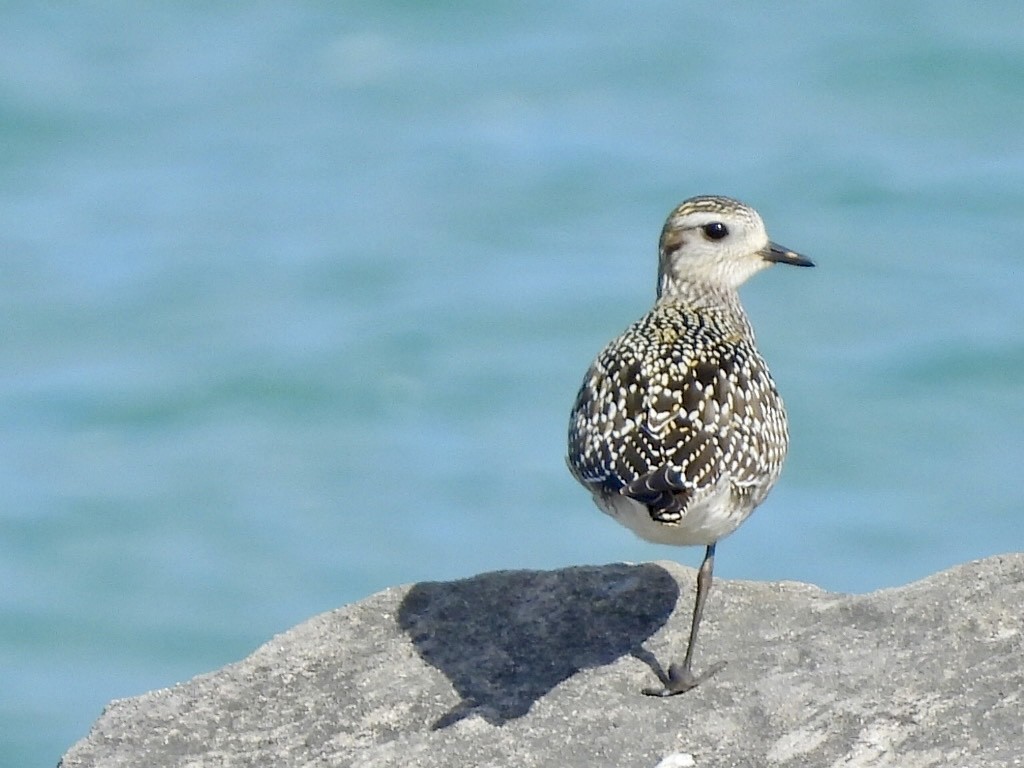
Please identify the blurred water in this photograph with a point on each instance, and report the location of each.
(296, 299)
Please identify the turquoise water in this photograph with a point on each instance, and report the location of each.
(296, 300)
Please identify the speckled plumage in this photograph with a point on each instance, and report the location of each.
(675, 407)
(678, 430)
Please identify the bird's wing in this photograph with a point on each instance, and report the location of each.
(661, 420)
(683, 427)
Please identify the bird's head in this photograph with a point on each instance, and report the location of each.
(717, 241)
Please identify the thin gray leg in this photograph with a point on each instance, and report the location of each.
(681, 677)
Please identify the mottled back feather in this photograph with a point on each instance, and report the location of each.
(677, 401)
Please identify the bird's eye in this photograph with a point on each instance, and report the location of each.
(716, 230)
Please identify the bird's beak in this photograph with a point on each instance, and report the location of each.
(776, 254)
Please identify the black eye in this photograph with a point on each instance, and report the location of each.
(716, 230)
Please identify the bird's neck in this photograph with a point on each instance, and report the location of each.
(696, 293)
(705, 297)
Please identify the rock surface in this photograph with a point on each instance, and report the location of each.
(545, 669)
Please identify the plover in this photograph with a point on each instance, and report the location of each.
(678, 430)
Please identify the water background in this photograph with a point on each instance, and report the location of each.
(295, 299)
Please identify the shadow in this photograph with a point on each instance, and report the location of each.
(642, 654)
(505, 639)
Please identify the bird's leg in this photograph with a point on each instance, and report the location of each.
(681, 677)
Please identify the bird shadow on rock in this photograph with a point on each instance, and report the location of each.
(505, 639)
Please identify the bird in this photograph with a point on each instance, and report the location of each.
(678, 430)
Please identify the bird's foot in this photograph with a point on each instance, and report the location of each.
(682, 679)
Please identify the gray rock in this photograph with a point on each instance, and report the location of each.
(545, 669)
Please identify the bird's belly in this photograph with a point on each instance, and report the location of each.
(706, 520)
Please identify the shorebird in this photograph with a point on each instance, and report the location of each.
(678, 430)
